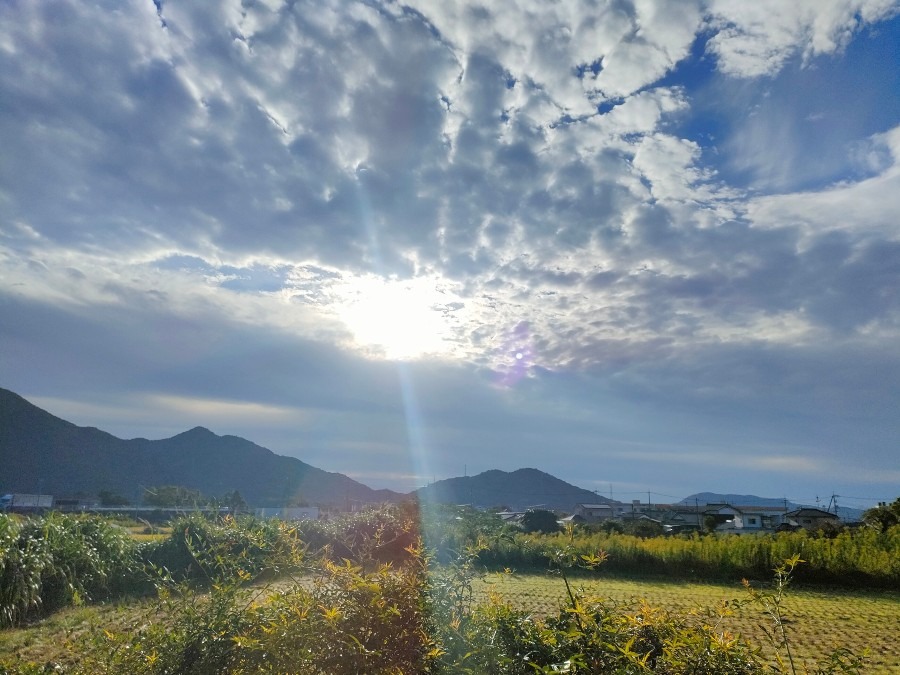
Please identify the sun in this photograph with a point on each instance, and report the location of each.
(402, 318)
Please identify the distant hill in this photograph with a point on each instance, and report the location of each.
(845, 513)
(516, 490)
(736, 500)
(41, 452)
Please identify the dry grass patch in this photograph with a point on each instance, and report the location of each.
(50, 640)
(819, 620)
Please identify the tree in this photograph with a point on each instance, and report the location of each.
(884, 515)
(234, 501)
(540, 520)
(612, 526)
(110, 498)
(172, 496)
(644, 528)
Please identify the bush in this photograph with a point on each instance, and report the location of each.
(540, 520)
(22, 563)
(370, 537)
(206, 550)
(60, 560)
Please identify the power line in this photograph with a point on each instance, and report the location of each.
(868, 499)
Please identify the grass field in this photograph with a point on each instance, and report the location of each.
(819, 620)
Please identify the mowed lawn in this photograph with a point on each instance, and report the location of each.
(818, 620)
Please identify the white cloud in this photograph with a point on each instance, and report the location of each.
(758, 38)
(863, 209)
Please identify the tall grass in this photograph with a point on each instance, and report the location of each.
(861, 557)
(204, 550)
(378, 605)
(60, 560)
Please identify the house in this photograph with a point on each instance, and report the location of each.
(592, 513)
(745, 519)
(510, 516)
(809, 518)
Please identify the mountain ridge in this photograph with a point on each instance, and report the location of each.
(44, 453)
(40, 452)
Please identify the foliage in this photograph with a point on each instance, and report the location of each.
(884, 515)
(205, 550)
(540, 520)
(643, 528)
(22, 561)
(449, 531)
(819, 620)
(864, 557)
(369, 537)
(110, 498)
(233, 501)
(60, 560)
(173, 496)
(348, 621)
(368, 614)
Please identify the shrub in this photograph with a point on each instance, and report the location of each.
(62, 559)
(540, 520)
(22, 563)
(206, 550)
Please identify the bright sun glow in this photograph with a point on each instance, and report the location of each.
(403, 318)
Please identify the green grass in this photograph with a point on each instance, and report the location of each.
(819, 620)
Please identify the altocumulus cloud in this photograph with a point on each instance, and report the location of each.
(581, 227)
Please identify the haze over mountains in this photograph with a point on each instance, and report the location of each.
(40, 452)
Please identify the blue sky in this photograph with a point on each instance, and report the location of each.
(638, 245)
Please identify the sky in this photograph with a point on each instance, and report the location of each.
(643, 246)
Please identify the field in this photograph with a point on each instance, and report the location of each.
(819, 620)
(244, 595)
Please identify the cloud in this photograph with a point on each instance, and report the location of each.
(227, 208)
(758, 39)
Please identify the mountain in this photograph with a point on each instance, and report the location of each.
(43, 453)
(516, 490)
(702, 498)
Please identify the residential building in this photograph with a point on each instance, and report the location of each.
(809, 518)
